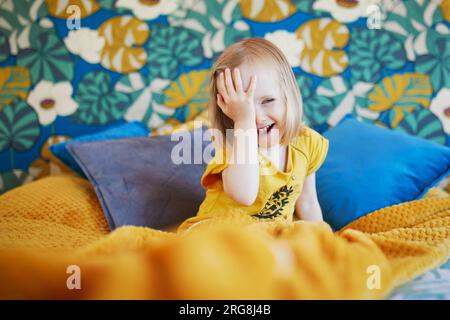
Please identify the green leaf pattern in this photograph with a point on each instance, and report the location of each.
(98, 102)
(172, 48)
(48, 59)
(19, 126)
(371, 51)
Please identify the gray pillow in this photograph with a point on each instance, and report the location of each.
(137, 182)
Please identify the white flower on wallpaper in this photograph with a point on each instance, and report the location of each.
(440, 106)
(418, 45)
(218, 21)
(288, 42)
(86, 43)
(139, 109)
(149, 9)
(345, 10)
(50, 100)
(346, 98)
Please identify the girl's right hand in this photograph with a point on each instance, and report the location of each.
(236, 103)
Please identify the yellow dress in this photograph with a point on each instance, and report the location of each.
(278, 190)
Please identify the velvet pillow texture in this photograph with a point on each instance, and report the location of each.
(369, 167)
(151, 181)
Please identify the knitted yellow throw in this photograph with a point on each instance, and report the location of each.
(55, 243)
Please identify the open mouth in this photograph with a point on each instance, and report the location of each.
(266, 129)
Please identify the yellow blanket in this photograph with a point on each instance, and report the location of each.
(53, 237)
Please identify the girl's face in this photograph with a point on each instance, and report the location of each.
(269, 103)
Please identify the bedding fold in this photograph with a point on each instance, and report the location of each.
(55, 223)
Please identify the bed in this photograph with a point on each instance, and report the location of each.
(39, 239)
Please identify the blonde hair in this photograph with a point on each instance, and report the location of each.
(250, 51)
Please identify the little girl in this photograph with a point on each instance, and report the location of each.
(253, 92)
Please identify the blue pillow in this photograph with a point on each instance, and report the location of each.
(369, 167)
(127, 130)
(147, 188)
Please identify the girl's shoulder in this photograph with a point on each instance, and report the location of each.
(308, 139)
(313, 146)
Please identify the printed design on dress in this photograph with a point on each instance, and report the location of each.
(276, 203)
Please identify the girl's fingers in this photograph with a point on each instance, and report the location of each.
(220, 101)
(229, 82)
(221, 85)
(237, 80)
(251, 86)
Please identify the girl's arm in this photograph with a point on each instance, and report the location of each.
(307, 206)
(241, 177)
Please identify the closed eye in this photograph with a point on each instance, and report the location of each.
(268, 100)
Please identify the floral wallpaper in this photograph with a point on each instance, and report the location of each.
(75, 67)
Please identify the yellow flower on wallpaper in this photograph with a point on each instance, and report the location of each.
(267, 10)
(402, 93)
(48, 164)
(124, 36)
(14, 82)
(190, 88)
(58, 8)
(324, 40)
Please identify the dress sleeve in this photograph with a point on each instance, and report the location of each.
(317, 149)
(214, 169)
